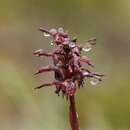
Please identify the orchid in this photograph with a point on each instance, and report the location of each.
(68, 69)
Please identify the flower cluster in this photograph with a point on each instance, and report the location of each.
(68, 62)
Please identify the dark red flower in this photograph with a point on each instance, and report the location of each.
(67, 62)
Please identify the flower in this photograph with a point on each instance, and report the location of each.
(67, 63)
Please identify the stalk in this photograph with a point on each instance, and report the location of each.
(73, 117)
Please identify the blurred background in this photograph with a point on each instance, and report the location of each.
(102, 107)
